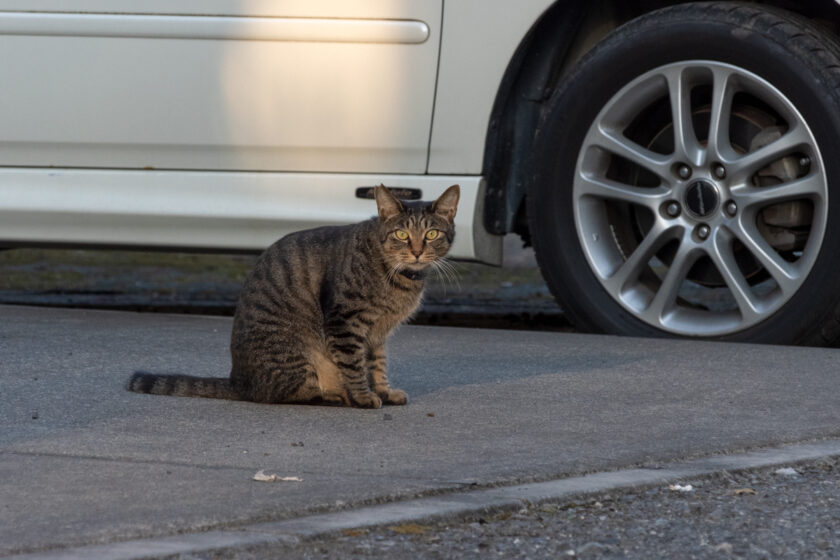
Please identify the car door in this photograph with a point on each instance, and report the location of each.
(245, 85)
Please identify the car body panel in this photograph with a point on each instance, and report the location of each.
(224, 124)
(231, 211)
(473, 62)
(291, 92)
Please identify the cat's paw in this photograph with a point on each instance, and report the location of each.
(367, 400)
(393, 396)
(334, 399)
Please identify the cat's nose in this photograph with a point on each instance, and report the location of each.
(417, 252)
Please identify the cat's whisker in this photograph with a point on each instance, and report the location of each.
(446, 280)
(447, 273)
(453, 272)
(392, 272)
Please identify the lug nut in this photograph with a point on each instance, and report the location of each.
(672, 209)
(703, 231)
(731, 208)
(684, 171)
(719, 171)
(804, 161)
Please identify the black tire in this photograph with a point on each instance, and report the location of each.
(800, 61)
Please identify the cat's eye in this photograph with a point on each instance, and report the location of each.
(401, 234)
(432, 234)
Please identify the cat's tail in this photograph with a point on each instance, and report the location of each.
(183, 386)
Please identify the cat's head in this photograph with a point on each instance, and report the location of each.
(416, 234)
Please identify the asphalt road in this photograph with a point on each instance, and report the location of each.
(82, 461)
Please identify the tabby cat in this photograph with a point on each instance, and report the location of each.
(312, 318)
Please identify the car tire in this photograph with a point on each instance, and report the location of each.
(685, 181)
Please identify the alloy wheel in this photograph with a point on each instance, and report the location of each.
(700, 198)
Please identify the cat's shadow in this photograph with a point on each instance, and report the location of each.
(423, 375)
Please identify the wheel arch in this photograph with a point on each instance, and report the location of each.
(559, 38)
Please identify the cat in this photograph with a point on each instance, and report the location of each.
(314, 313)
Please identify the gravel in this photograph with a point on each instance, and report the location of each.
(778, 512)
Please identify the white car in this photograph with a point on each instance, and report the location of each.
(675, 168)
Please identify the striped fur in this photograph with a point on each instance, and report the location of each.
(314, 314)
(155, 384)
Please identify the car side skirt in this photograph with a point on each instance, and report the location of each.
(220, 211)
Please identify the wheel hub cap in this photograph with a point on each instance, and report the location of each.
(701, 198)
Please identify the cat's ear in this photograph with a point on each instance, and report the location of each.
(388, 205)
(447, 204)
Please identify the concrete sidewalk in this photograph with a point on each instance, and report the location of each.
(83, 461)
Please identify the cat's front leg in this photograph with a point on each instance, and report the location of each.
(379, 378)
(349, 354)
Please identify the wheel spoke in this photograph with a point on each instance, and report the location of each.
(723, 90)
(686, 146)
(784, 273)
(659, 235)
(724, 260)
(811, 187)
(666, 295)
(744, 167)
(622, 146)
(600, 187)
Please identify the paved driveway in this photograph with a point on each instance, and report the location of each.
(82, 460)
